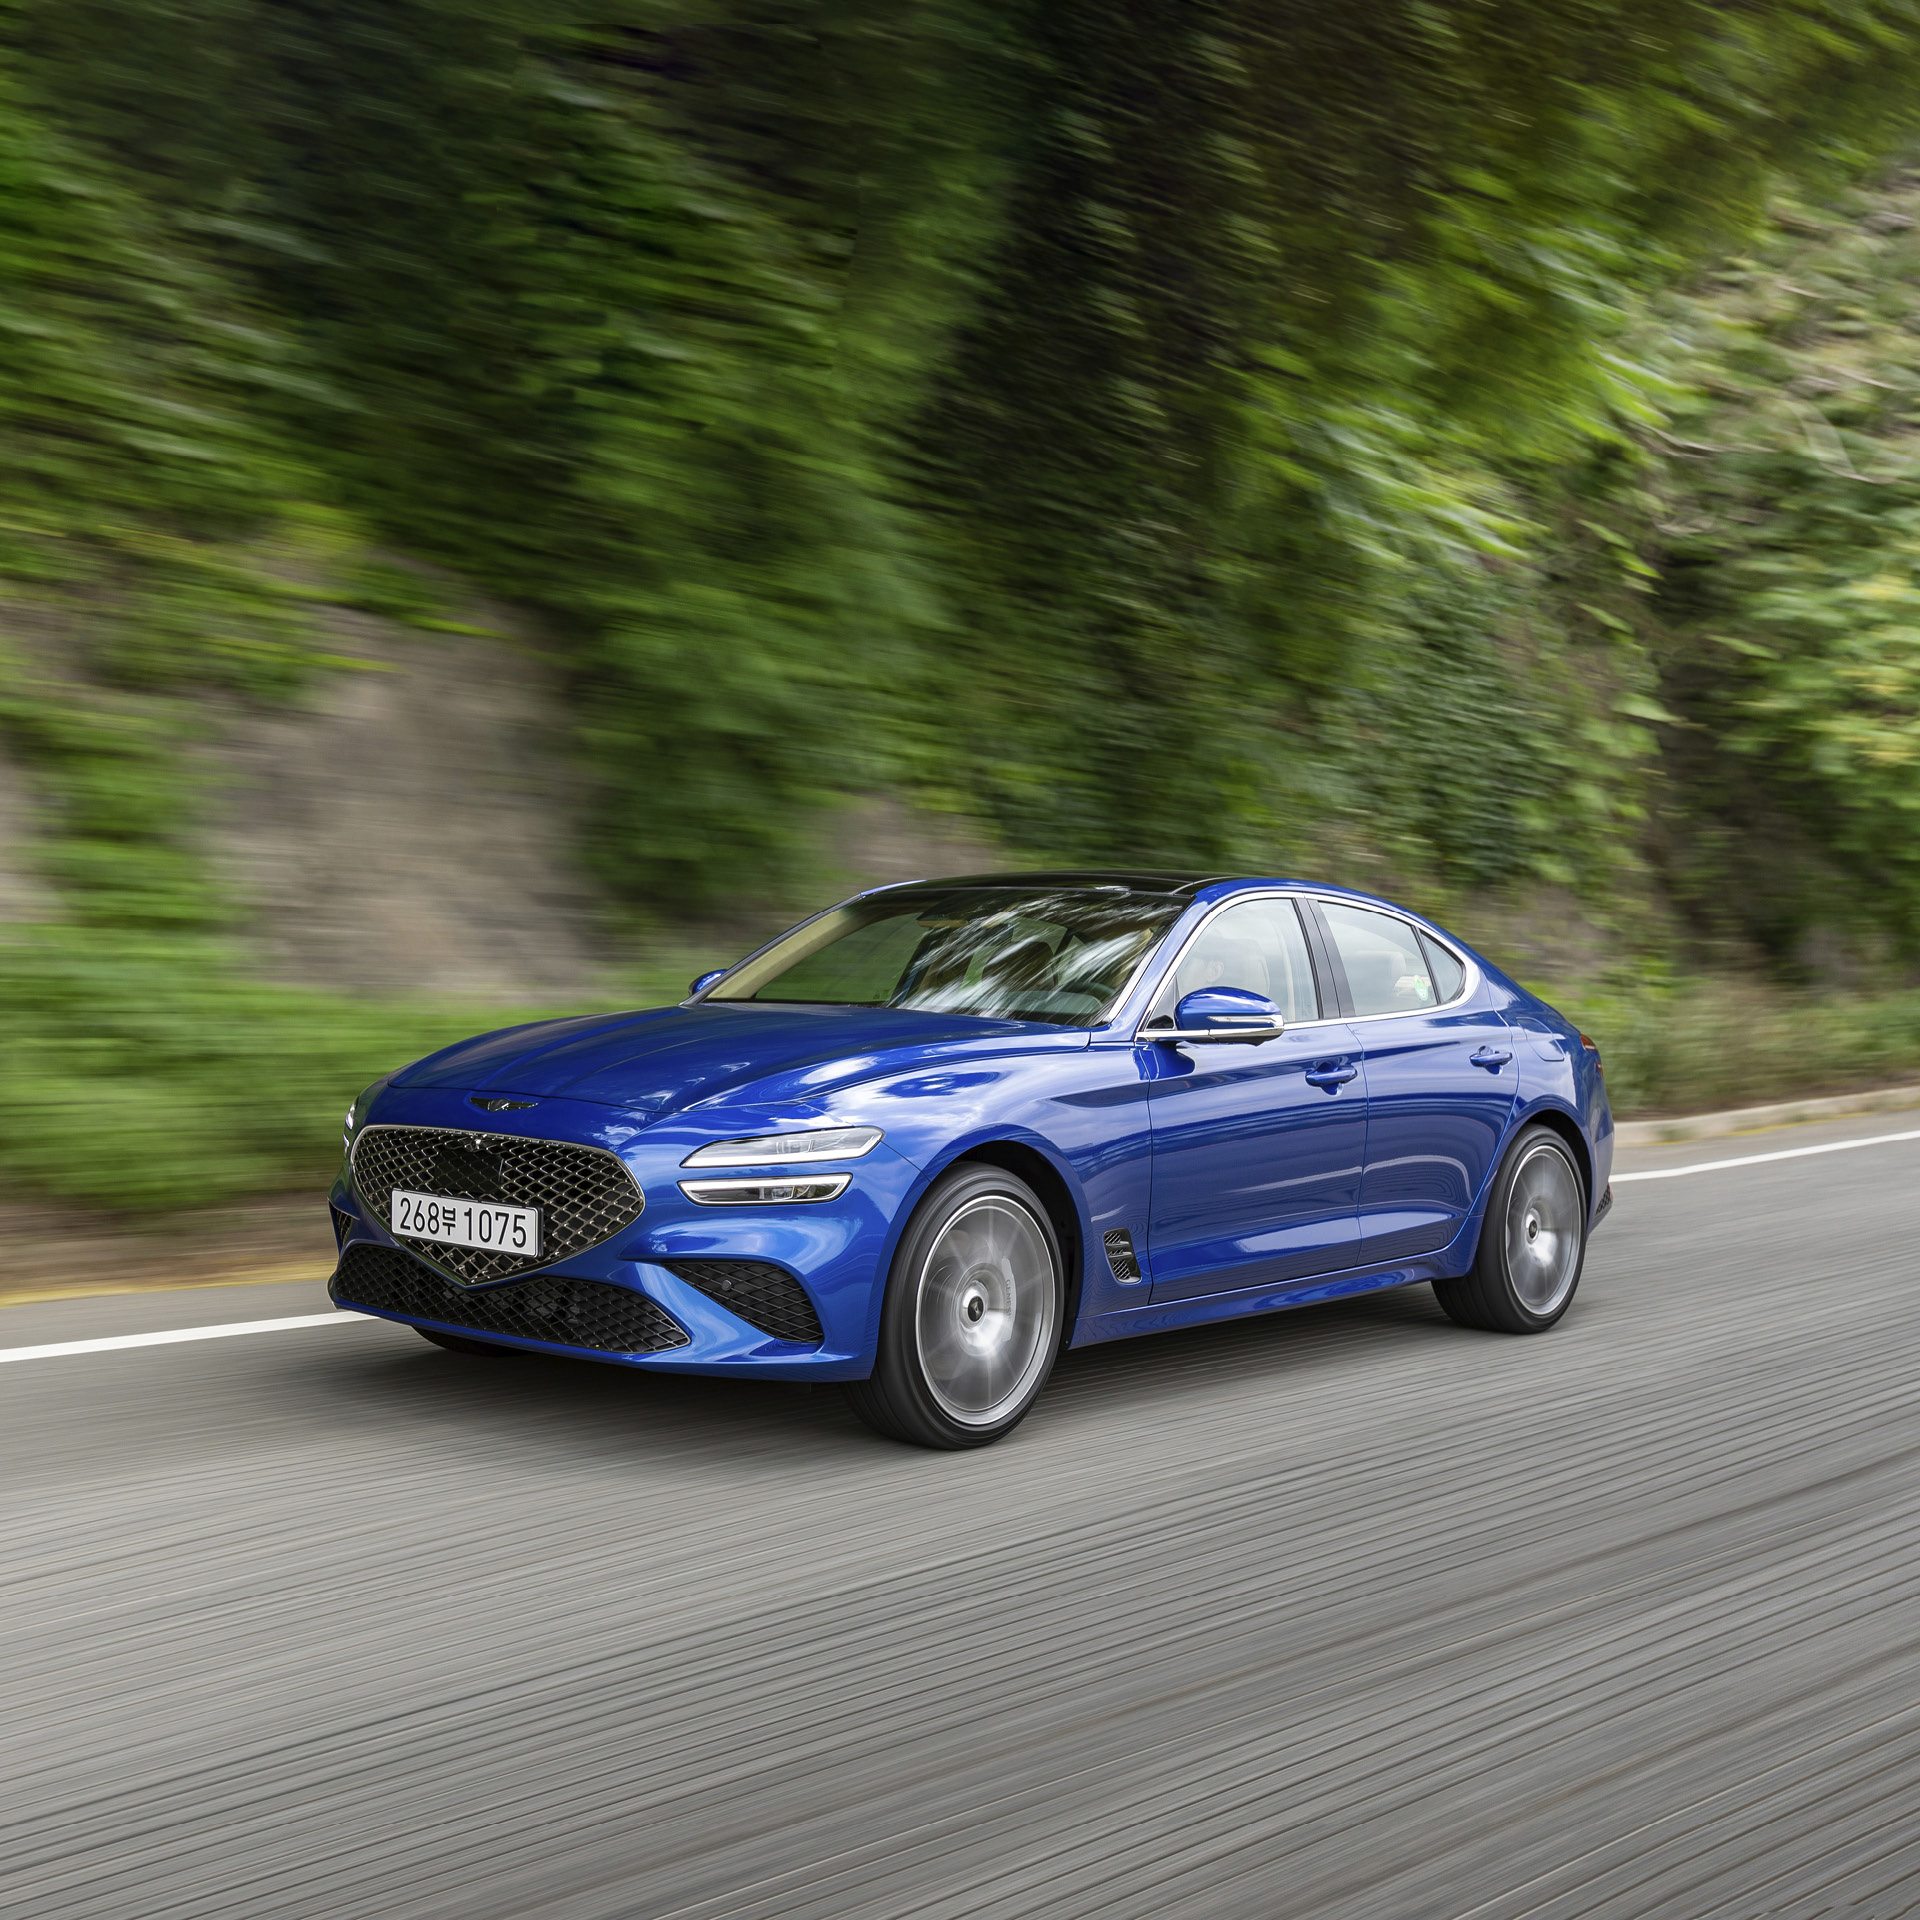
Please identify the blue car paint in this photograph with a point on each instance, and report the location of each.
(1435, 1123)
(1392, 1195)
(674, 1057)
(1226, 1117)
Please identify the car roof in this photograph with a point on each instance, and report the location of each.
(1136, 879)
(1193, 883)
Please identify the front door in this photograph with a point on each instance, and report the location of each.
(1257, 1150)
(1441, 1081)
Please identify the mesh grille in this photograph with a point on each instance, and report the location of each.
(342, 1225)
(1120, 1255)
(585, 1194)
(764, 1296)
(568, 1313)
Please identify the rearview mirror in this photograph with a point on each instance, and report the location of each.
(1224, 1013)
(705, 981)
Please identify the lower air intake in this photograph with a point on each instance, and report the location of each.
(1121, 1259)
(565, 1313)
(763, 1295)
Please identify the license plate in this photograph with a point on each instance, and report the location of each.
(467, 1223)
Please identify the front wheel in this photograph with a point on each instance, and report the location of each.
(1533, 1242)
(971, 1319)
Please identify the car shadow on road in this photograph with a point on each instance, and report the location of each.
(579, 1407)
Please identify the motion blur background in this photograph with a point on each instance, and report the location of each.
(502, 501)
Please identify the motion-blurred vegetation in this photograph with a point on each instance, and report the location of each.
(1464, 445)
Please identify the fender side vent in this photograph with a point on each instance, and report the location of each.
(1120, 1257)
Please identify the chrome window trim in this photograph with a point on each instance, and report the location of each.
(1470, 972)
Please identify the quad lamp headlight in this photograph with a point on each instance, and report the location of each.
(784, 1149)
(766, 1193)
(778, 1150)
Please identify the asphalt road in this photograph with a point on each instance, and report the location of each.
(1343, 1612)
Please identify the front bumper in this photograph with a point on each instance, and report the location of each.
(833, 1253)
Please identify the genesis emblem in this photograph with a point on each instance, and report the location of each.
(500, 1106)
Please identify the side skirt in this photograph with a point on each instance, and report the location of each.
(1173, 1314)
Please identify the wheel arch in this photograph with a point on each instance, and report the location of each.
(1568, 1128)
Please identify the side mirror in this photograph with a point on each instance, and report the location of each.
(1224, 1013)
(704, 982)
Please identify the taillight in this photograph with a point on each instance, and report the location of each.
(1600, 1066)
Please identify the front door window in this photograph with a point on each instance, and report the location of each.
(1257, 945)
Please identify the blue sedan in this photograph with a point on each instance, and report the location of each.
(935, 1134)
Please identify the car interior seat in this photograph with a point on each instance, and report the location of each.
(1226, 963)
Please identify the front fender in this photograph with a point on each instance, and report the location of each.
(940, 1162)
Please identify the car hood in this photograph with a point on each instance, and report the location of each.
(662, 1061)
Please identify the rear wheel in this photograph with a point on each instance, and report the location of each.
(458, 1343)
(1533, 1242)
(971, 1320)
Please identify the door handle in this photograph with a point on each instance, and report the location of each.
(1330, 1077)
(1492, 1058)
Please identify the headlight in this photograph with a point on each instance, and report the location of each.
(782, 1149)
(765, 1193)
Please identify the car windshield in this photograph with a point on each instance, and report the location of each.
(1060, 955)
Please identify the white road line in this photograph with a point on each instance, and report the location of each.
(61, 1348)
(1760, 1159)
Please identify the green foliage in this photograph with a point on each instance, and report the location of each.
(622, 348)
(1109, 417)
(1786, 544)
(131, 477)
(1214, 433)
(151, 1074)
(1710, 1045)
(151, 539)
(1300, 328)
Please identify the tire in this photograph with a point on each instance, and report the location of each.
(1533, 1242)
(972, 1317)
(458, 1343)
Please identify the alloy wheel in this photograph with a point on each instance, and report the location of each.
(1544, 1207)
(984, 1309)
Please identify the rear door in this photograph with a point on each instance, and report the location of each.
(1257, 1150)
(1441, 1079)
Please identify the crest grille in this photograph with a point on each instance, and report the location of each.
(585, 1194)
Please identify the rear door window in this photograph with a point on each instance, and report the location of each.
(1385, 967)
(1449, 976)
